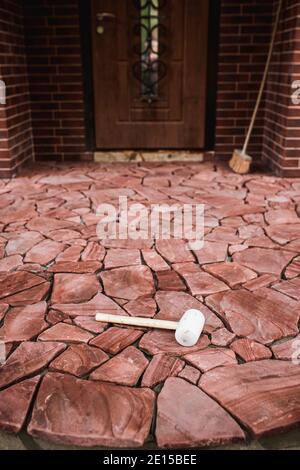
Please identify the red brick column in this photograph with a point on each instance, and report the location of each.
(15, 120)
(281, 146)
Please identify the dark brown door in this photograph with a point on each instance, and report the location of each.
(149, 67)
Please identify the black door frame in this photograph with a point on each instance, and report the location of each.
(87, 73)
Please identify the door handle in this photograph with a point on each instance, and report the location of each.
(105, 16)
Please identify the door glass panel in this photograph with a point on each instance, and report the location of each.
(149, 69)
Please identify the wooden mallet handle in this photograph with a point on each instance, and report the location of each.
(136, 321)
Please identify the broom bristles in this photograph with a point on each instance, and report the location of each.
(240, 162)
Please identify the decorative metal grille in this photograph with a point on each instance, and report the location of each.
(149, 69)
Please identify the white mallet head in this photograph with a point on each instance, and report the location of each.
(189, 328)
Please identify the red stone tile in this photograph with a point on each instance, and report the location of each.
(248, 231)
(64, 235)
(142, 307)
(128, 283)
(170, 281)
(199, 282)
(28, 359)
(222, 337)
(76, 267)
(115, 339)
(223, 234)
(21, 243)
(236, 249)
(3, 310)
(263, 395)
(172, 305)
(116, 258)
(124, 369)
(249, 350)
(70, 254)
(163, 341)
(261, 281)
(90, 324)
(288, 350)
(78, 360)
(93, 252)
(179, 426)
(293, 270)
(211, 358)
(45, 225)
(13, 283)
(155, 261)
(160, 368)
(29, 296)
(290, 288)
(174, 251)
(24, 323)
(212, 252)
(191, 374)
(14, 404)
(263, 260)
(66, 333)
(10, 263)
(62, 401)
(99, 303)
(281, 216)
(232, 273)
(283, 233)
(74, 288)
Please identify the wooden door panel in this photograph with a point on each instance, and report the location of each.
(176, 118)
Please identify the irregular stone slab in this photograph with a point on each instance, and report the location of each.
(199, 282)
(29, 296)
(45, 225)
(45, 252)
(196, 421)
(222, 337)
(65, 179)
(249, 350)
(93, 252)
(256, 317)
(13, 283)
(236, 249)
(263, 260)
(3, 310)
(128, 283)
(24, 323)
(10, 263)
(124, 369)
(118, 416)
(117, 258)
(293, 246)
(232, 273)
(14, 404)
(64, 235)
(263, 395)
(29, 358)
(12, 215)
(142, 307)
(290, 288)
(212, 252)
(283, 233)
(293, 270)
(172, 306)
(160, 368)
(80, 267)
(288, 350)
(262, 281)
(90, 324)
(281, 216)
(155, 261)
(249, 231)
(175, 251)
(211, 358)
(170, 281)
(78, 360)
(115, 339)
(162, 341)
(190, 374)
(223, 234)
(66, 333)
(70, 254)
(99, 303)
(74, 288)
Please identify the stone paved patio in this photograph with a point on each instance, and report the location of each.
(69, 380)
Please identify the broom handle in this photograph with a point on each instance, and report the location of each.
(262, 86)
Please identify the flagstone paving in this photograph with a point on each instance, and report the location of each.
(70, 380)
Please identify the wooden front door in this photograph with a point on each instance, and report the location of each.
(149, 71)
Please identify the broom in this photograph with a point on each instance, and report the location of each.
(241, 161)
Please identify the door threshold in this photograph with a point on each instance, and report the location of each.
(160, 156)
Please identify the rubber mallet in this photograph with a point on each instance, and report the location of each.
(187, 330)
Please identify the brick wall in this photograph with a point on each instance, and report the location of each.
(281, 149)
(56, 81)
(245, 28)
(15, 121)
